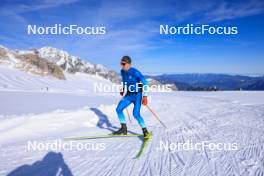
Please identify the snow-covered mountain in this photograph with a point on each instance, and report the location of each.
(48, 61)
(28, 61)
(73, 64)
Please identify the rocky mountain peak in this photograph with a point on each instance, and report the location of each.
(68, 63)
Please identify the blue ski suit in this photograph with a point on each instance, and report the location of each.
(134, 82)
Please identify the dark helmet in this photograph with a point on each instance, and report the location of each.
(126, 59)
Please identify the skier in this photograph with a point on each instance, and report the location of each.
(135, 83)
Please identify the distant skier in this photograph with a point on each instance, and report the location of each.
(135, 83)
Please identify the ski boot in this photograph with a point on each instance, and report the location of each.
(122, 130)
(146, 133)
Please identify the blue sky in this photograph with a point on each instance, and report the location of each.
(133, 29)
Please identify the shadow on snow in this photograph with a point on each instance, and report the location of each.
(51, 165)
(103, 119)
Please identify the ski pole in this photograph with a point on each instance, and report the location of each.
(155, 115)
(128, 116)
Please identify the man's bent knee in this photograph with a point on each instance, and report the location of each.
(119, 110)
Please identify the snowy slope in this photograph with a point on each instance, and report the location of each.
(24, 93)
(217, 117)
(12, 79)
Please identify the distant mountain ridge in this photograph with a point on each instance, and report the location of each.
(212, 81)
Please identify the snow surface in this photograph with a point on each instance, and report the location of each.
(70, 108)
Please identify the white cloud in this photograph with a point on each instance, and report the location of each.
(18, 8)
(225, 11)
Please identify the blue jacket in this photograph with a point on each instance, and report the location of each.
(132, 79)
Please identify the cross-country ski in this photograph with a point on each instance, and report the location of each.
(101, 136)
(144, 145)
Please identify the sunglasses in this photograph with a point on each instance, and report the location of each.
(123, 63)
